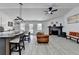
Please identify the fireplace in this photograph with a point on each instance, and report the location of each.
(57, 30)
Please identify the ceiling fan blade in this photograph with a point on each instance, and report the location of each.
(45, 11)
(51, 13)
(50, 8)
(54, 10)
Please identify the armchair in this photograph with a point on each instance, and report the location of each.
(42, 38)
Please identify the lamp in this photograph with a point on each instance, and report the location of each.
(19, 18)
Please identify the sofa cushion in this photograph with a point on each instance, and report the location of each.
(42, 38)
(40, 33)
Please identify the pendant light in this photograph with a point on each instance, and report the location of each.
(19, 18)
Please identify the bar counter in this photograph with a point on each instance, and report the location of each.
(5, 37)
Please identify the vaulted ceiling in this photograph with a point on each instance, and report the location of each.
(35, 11)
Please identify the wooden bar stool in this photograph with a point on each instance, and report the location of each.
(22, 38)
(18, 45)
(27, 37)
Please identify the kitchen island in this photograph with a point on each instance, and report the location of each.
(5, 37)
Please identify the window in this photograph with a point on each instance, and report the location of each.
(31, 28)
(39, 27)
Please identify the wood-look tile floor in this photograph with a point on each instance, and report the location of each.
(56, 46)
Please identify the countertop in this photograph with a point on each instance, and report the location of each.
(10, 34)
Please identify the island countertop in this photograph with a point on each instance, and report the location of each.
(5, 37)
(10, 34)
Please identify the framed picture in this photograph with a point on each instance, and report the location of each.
(73, 19)
(10, 23)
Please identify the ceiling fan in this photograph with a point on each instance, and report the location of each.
(51, 10)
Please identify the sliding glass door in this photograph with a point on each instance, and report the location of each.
(35, 27)
(39, 27)
(31, 28)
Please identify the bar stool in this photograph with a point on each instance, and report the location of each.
(15, 42)
(18, 45)
(28, 37)
(22, 38)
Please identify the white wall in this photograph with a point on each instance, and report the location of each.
(48, 23)
(59, 20)
(73, 26)
(4, 21)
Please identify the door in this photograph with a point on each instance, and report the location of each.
(31, 28)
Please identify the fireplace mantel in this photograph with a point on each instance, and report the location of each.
(55, 30)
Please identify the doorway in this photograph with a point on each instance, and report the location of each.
(31, 28)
